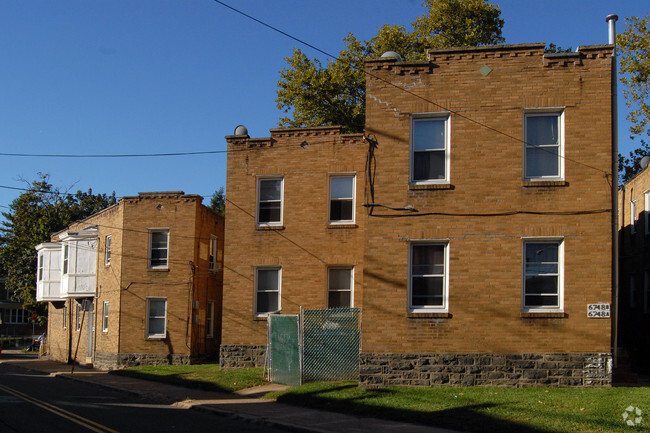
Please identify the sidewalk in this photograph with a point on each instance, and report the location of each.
(243, 405)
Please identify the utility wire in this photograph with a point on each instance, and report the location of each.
(390, 83)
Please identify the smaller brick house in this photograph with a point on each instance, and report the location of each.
(634, 270)
(136, 283)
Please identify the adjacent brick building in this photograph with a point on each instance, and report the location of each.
(294, 232)
(634, 242)
(137, 283)
(483, 224)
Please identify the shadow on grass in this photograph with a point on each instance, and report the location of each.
(466, 418)
(173, 379)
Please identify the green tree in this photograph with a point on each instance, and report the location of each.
(311, 94)
(634, 54)
(32, 217)
(218, 202)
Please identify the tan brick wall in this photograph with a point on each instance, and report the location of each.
(58, 337)
(486, 172)
(127, 282)
(306, 245)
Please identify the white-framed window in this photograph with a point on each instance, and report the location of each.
(40, 267)
(428, 289)
(429, 140)
(633, 216)
(213, 253)
(66, 258)
(341, 203)
(340, 284)
(158, 248)
(156, 317)
(105, 316)
(544, 144)
(79, 315)
(270, 192)
(209, 320)
(65, 316)
(268, 283)
(107, 249)
(543, 279)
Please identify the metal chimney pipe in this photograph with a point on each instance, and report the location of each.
(611, 19)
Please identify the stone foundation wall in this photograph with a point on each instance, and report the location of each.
(242, 355)
(508, 370)
(112, 361)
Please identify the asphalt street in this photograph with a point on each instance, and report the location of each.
(37, 402)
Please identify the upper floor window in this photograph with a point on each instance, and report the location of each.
(213, 253)
(66, 256)
(428, 279)
(342, 199)
(107, 250)
(40, 267)
(543, 279)
(633, 216)
(543, 145)
(430, 148)
(269, 201)
(158, 248)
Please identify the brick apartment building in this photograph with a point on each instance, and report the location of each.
(634, 243)
(136, 283)
(481, 232)
(294, 232)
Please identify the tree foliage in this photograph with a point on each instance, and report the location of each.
(311, 94)
(32, 217)
(218, 202)
(634, 53)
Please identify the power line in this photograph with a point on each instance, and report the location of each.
(405, 90)
(105, 155)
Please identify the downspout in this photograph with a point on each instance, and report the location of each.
(611, 19)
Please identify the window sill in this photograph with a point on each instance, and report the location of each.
(266, 228)
(342, 226)
(429, 315)
(542, 315)
(154, 338)
(428, 186)
(543, 183)
(260, 318)
(158, 269)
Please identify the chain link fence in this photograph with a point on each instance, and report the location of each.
(327, 345)
(330, 344)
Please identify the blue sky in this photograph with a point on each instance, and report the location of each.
(165, 76)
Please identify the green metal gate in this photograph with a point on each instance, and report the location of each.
(284, 352)
(318, 345)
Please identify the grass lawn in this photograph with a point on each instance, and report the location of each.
(481, 409)
(204, 376)
(473, 409)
